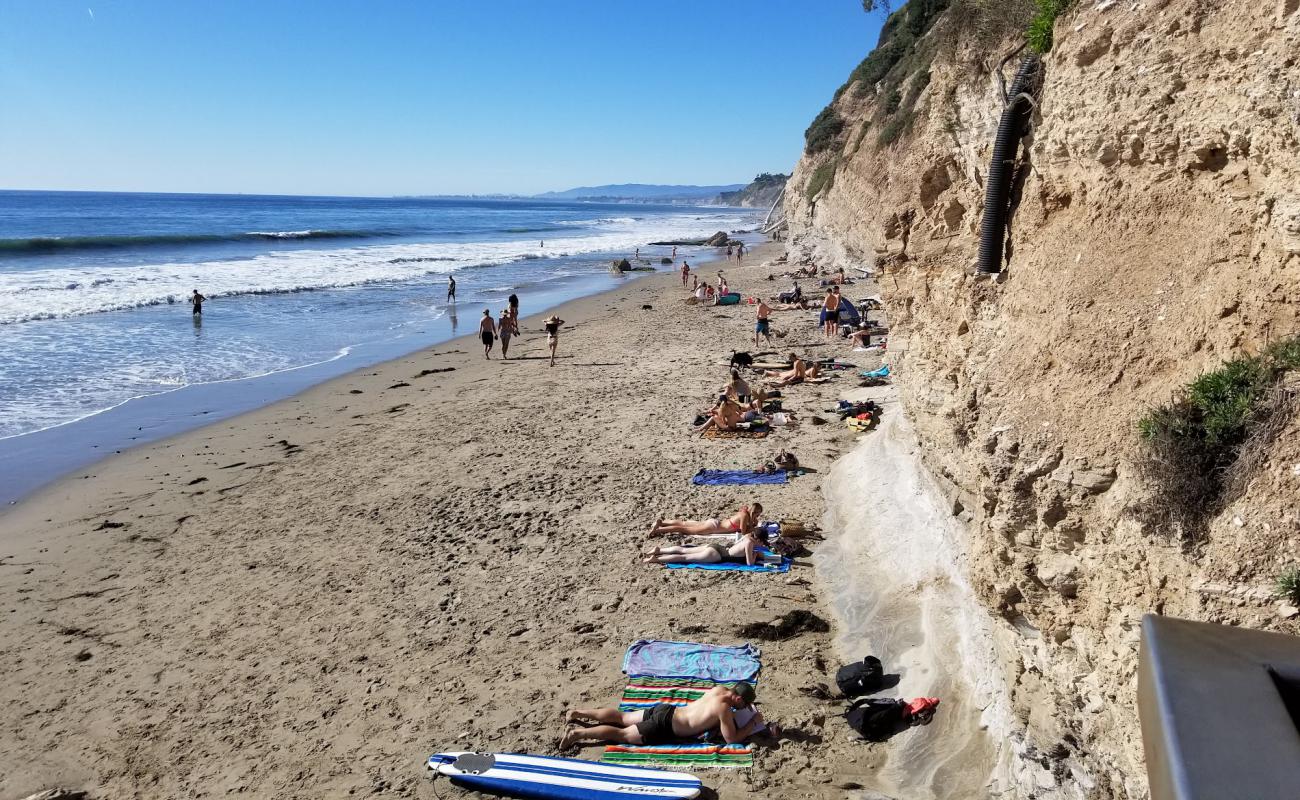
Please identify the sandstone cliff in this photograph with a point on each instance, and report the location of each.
(1156, 235)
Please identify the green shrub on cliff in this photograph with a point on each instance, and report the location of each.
(1194, 444)
(822, 178)
(1040, 27)
(823, 131)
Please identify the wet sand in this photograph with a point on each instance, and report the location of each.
(308, 600)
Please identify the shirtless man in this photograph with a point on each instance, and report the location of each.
(762, 324)
(831, 307)
(664, 722)
(487, 330)
(796, 374)
(686, 271)
(743, 522)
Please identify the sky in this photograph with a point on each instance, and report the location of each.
(390, 97)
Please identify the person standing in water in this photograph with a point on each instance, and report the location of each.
(451, 289)
(674, 251)
(553, 324)
(197, 300)
(487, 332)
(505, 328)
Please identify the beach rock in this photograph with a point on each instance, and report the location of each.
(718, 239)
(1288, 611)
(665, 260)
(622, 265)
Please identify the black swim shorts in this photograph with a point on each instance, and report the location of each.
(487, 338)
(656, 727)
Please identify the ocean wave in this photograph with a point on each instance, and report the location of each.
(37, 245)
(54, 293)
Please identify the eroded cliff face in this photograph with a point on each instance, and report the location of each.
(1157, 234)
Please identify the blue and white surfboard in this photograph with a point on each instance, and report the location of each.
(515, 775)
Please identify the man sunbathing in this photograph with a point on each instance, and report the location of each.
(664, 723)
(796, 374)
(743, 522)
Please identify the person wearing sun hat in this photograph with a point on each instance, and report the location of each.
(553, 324)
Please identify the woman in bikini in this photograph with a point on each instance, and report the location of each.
(726, 415)
(505, 329)
(743, 522)
(743, 551)
(553, 324)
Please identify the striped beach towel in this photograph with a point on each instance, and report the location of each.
(643, 692)
(681, 755)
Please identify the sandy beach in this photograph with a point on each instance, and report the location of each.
(437, 553)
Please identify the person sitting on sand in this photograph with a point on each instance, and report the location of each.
(738, 388)
(487, 332)
(701, 292)
(664, 722)
(728, 415)
(743, 522)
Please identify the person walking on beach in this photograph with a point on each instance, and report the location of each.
(553, 324)
(197, 300)
(487, 332)
(740, 252)
(505, 327)
(831, 310)
(686, 272)
(762, 324)
(513, 300)
(451, 289)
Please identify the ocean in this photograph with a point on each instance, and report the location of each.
(94, 288)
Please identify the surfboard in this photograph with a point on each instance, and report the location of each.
(549, 778)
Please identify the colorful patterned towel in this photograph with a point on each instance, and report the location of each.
(714, 433)
(686, 756)
(644, 691)
(666, 659)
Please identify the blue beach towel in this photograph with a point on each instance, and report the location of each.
(664, 659)
(784, 566)
(736, 477)
(883, 372)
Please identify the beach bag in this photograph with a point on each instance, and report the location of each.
(787, 461)
(875, 719)
(863, 677)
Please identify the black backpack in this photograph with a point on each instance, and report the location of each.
(876, 718)
(861, 678)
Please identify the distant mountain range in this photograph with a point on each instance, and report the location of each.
(644, 193)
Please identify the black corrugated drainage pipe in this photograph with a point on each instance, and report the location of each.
(997, 187)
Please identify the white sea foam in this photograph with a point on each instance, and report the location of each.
(27, 295)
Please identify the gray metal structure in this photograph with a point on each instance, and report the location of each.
(1220, 711)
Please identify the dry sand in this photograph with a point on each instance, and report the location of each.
(308, 600)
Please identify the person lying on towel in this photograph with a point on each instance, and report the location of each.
(798, 372)
(743, 522)
(743, 551)
(664, 723)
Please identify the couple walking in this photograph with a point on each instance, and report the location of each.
(508, 326)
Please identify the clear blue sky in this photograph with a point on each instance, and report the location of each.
(378, 97)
